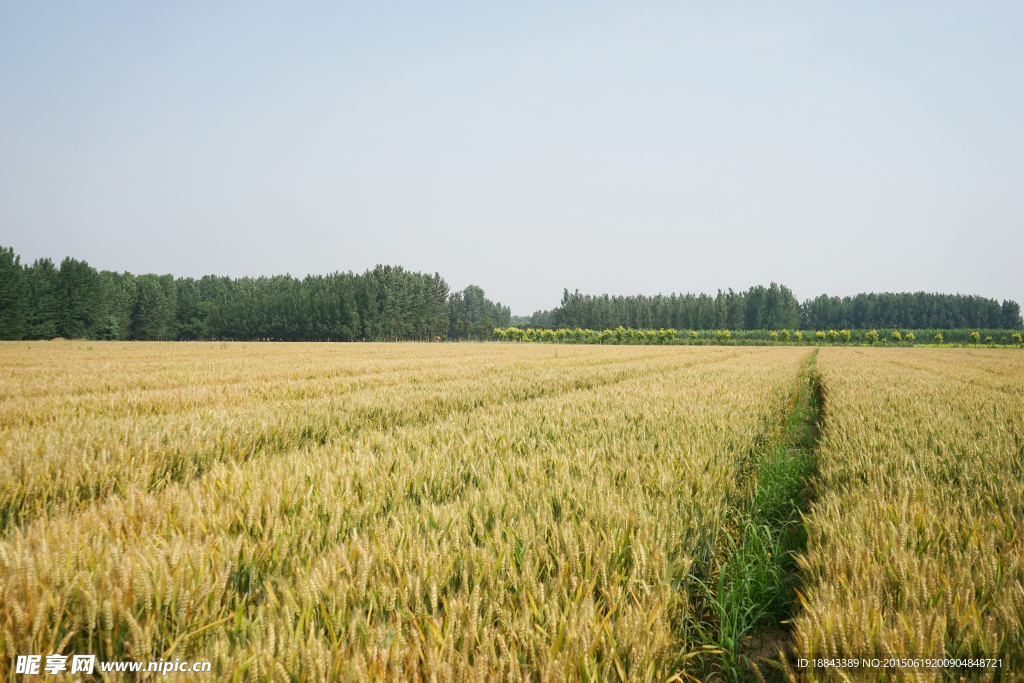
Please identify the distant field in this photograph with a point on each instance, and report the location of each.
(499, 511)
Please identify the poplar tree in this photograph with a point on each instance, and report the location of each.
(41, 281)
(13, 296)
(79, 299)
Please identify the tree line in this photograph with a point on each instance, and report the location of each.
(775, 308)
(74, 300)
(758, 308)
(920, 310)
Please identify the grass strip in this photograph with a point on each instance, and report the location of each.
(744, 604)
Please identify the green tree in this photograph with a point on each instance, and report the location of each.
(41, 279)
(909, 337)
(1016, 338)
(322, 307)
(473, 307)
(485, 328)
(798, 335)
(784, 335)
(895, 336)
(154, 316)
(773, 335)
(693, 334)
(975, 338)
(833, 336)
(13, 296)
(109, 330)
(938, 338)
(120, 295)
(1011, 319)
(821, 336)
(871, 337)
(79, 299)
(845, 336)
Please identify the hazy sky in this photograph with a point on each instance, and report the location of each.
(626, 148)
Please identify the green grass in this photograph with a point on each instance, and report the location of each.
(747, 601)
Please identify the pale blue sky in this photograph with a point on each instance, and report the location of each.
(626, 148)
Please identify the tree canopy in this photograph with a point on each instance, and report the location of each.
(471, 315)
(775, 308)
(758, 308)
(74, 300)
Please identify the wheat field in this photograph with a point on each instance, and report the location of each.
(474, 512)
(331, 512)
(916, 543)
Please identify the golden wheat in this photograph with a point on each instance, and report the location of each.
(916, 545)
(331, 512)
